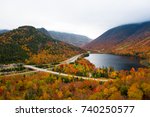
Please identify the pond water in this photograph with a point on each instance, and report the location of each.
(115, 61)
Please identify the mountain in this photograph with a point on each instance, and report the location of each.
(29, 45)
(74, 39)
(43, 30)
(132, 39)
(3, 31)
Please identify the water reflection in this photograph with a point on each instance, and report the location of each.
(115, 61)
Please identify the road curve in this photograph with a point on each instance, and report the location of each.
(62, 74)
(70, 60)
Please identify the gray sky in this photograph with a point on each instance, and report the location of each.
(86, 17)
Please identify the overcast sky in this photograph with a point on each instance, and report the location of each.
(86, 17)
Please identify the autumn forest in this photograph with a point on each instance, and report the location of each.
(35, 66)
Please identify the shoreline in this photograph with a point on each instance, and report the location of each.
(142, 61)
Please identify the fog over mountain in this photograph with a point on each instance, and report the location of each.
(85, 17)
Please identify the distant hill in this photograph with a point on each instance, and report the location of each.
(74, 39)
(133, 39)
(27, 44)
(3, 31)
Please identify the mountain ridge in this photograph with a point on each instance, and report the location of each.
(123, 39)
(70, 38)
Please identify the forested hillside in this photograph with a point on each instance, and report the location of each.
(29, 45)
(131, 39)
(134, 85)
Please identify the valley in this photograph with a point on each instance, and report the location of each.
(36, 65)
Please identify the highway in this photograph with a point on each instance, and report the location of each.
(73, 59)
(70, 60)
(62, 74)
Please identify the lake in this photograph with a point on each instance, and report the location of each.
(115, 61)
